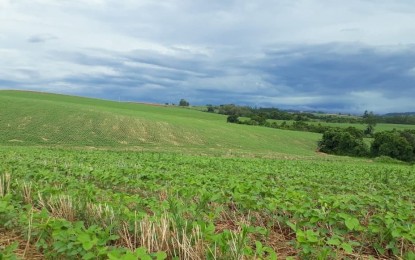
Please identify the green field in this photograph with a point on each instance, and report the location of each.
(378, 127)
(92, 179)
(45, 119)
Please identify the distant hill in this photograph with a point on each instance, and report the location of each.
(43, 119)
(400, 114)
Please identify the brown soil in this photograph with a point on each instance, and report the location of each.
(24, 251)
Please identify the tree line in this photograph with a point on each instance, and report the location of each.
(295, 126)
(343, 141)
(350, 141)
(255, 113)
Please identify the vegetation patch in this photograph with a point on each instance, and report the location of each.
(115, 205)
(108, 180)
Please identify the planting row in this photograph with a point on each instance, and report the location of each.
(88, 204)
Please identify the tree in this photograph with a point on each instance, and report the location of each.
(231, 109)
(370, 119)
(232, 119)
(398, 145)
(261, 118)
(183, 103)
(210, 109)
(343, 142)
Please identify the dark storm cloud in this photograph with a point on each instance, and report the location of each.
(335, 69)
(329, 77)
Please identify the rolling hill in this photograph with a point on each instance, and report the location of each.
(43, 119)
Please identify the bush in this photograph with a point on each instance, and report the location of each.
(388, 160)
(232, 119)
(343, 142)
(210, 109)
(399, 145)
(395, 144)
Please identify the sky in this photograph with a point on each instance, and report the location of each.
(333, 55)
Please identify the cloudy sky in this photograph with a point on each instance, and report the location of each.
(334, 55)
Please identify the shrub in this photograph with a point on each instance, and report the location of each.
(343, 142)
(395, 144)
(232, 119)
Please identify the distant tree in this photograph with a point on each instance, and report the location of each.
(300, 126)
(232, 119)
(183, 103)
(369, 130)
(300, 117)
(210, 109)
(395, 144)
(355, 132)
(231, 109)
(260, 119)
(343, 142)
(370, 119)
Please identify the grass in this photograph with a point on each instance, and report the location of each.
(378, 127)
(31, 118)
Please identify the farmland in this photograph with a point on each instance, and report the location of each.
(379, 127)
(92, 179)
(34, 119)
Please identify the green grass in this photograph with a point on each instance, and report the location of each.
(378, 127)
(31, 118)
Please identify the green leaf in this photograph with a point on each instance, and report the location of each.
(84, 237)
(271, 253)
(3, 206)
(113, 237)
(89, 255)
(87, 245)
(344, 215)
(348, 248)
(13, 246)
(396, 233)
(379, 248)
(258, 246)
(130, 256)
(59, 245)
(292, 226)
(142, 253)
(352, 223)
(334, 241)
(161, 255)
(312, 236)
(300, 236)
(113, 256)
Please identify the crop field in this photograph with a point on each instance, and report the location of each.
(84, 178)
(38, 119)
(149, 205)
